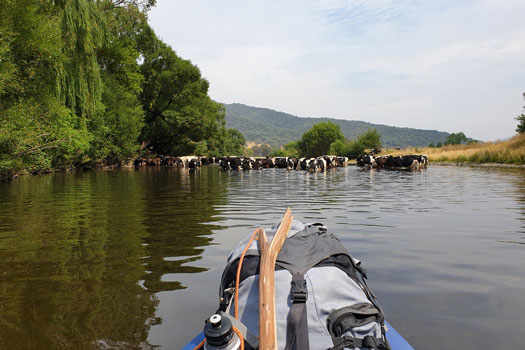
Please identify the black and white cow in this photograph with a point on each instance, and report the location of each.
(321, 164)
(292, 163)
(268, 163)
(366, 160)
(247, 163)
(224, 163)
(312, 165)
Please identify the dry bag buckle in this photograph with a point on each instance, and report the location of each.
(299, 292)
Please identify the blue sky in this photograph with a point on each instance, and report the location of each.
(446, 65)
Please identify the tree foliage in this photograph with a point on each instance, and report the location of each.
(88, 81)
(521, 123)
(456, 139)
(366, 142)
(520, 128)
(316, 141)
(291, 149)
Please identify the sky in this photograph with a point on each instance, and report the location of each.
(450, 65)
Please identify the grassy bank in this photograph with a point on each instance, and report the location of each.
(511, 151)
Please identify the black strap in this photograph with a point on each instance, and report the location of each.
(368, 342)
(297, 327)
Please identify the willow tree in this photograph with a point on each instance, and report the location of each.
(34, 124)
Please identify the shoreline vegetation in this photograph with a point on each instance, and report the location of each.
(89, 83)
(508, 153)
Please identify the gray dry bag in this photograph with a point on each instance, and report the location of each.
(322, 299)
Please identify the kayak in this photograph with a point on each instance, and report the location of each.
(294, 285)
(396, 340)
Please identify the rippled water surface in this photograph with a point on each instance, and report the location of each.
(132, 259)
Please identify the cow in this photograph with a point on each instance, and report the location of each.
(412, 162)
(194, 163)
(235, 163)
(247, 163)
(312, 165)
(268, 163)
(303, 163)
(256, 163)
(139, 162)
(341, 161)
(330, 161)
(291, 163)
(281, 162)
(224, 163)
(321, 164)
(366, 160)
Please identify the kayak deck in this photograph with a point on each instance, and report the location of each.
(397, 342)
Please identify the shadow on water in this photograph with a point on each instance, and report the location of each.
(179, 212)
(82, 256)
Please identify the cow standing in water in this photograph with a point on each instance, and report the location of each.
(312, 166)
(247, 164)
(321, 164)
(366, 160)
(224, 163)
(291, 163)
(268, 163)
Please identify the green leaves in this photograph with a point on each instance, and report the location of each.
(369, 140)
(179, 114)
(316, 141)
(521, 124)
(88, 81)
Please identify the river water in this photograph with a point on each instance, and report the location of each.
(132, 259)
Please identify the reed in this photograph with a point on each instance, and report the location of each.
(510, 151)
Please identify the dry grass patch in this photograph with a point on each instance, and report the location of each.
(511, 151)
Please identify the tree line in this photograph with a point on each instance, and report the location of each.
(85, 81)
(520, 128)
(458, 138)
(327, 138)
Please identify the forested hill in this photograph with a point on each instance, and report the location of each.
(262, 125)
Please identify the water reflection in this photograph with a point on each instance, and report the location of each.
(82, 256)
(178, 217)
(132, 259)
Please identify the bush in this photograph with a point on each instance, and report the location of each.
(317, 141)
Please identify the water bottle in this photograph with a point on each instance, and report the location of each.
(220, 335)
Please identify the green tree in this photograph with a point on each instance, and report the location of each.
(178, 111)
(288, 150)
(316, 141)
(456, 139)
(84, 81)
(338, 147)
(234, 142)
(262, 150)
(521, 121)
(36, 127)
(371, 139)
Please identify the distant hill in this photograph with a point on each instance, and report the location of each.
(263, 125)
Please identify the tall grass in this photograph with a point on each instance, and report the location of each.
(511, 151)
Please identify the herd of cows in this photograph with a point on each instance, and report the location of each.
(318, 164)
(410, 162)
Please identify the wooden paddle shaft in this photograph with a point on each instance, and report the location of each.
(268, 253)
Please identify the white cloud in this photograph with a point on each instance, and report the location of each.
(444, 65)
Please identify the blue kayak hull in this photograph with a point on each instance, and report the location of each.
(397, 342)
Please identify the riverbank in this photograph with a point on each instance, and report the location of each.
(509, 152)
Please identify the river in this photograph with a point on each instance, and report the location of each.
(132, 259)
